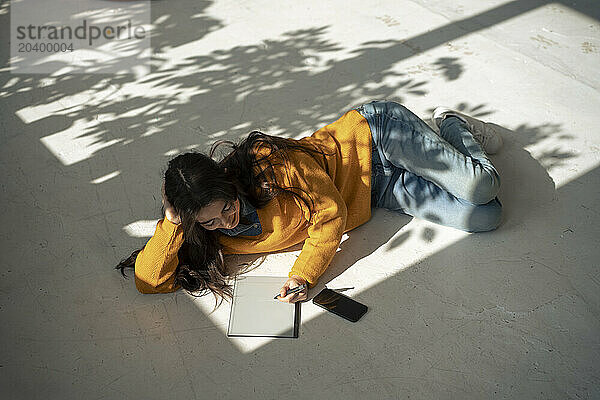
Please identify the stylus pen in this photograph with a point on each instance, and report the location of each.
(294, 290)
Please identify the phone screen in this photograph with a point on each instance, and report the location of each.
(340, 304)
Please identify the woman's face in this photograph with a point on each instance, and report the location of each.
(224, 214)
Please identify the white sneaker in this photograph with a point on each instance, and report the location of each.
(484, 133)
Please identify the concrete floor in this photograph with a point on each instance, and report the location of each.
(511, 314)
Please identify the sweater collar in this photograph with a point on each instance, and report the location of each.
(248, 211)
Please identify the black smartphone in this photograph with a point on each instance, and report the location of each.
(340, 304)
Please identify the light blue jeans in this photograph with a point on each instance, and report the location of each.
(445, 178)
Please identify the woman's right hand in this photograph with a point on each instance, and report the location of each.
(170, 212)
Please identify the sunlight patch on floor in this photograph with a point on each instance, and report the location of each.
(413, 250)
(105, 178)
(72, 145)
(141, 228)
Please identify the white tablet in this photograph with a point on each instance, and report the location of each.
(254, 312)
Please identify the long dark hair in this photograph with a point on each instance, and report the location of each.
(194, 180)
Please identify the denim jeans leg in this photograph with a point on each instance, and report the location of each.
(411, 194)
(456, 132)
(397, 187)
(408, 142)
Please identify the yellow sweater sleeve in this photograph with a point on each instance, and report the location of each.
(155, 265)
(327, 225)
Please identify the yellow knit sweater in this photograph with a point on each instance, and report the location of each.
(339, 185)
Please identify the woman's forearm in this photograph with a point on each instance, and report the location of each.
(319, 249)
(155, 265)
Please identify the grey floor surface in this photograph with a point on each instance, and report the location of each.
(510, 314)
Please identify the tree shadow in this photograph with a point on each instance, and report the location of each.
(450, 67)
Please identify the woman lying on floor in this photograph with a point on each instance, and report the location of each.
(271, 193)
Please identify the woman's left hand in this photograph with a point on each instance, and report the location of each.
(291, 283)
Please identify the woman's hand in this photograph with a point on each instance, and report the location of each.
(170, 212)
(291, 283)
